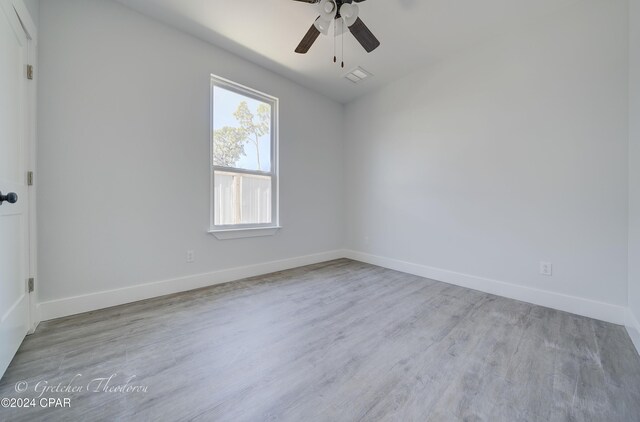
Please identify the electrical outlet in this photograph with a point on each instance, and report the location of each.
(191, 257)
(546, 268)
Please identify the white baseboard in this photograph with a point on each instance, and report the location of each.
(91, 302)
(576, 305)
(586, 307)
(633, 328)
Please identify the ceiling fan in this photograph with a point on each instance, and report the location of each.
(333, 10)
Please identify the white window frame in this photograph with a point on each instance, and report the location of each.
(247, 230)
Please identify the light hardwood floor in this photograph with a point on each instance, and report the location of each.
(338, 341)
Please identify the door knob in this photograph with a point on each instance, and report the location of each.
(11, 198)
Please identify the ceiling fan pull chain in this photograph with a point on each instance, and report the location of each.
(335, 35)
(342, 37)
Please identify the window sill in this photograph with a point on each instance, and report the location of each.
(244, 233)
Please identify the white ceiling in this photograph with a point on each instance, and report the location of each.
(412, 32)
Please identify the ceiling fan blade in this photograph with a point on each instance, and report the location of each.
(308, 40)
(364, 36)
(312, 1)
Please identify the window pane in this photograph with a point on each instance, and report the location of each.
(241, 131)
(241, 198)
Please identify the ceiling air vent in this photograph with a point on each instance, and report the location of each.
(358, 75)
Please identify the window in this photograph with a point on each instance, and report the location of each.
(244, 161)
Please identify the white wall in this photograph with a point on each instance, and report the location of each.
(634, 160)
(123, 154)
(509, 154)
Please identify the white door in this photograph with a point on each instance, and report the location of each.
(14, 221)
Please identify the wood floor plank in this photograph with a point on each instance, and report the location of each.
(336, 341)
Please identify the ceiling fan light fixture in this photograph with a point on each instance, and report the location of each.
(323, 25)
(349, 13)
(329, 7)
